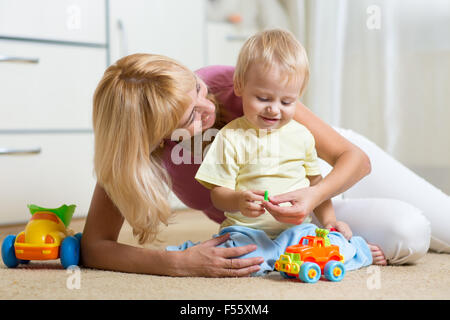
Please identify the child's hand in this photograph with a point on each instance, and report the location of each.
(341, 227)
(247, 205)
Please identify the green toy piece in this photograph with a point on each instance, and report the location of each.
(323, 233)
(64, 212)
(266, 195)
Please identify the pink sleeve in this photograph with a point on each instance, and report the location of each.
(219, 80)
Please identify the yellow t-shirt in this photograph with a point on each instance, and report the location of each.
(244, 157)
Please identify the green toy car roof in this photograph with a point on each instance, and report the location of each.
(64, 212)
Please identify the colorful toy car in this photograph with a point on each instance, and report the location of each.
(45, 237)
(312, 257)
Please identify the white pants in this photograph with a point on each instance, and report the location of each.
(393, 207)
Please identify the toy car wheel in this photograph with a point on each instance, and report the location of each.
(286, 276)
(309, 272)
(78, 236)
(8, 252)
(334, 271)
(70, 252)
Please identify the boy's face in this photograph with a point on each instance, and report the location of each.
(268, 99)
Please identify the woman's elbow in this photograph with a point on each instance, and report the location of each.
(88, 252)
(365, 163)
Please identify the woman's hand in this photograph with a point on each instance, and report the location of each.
(247, 203)
(303, 203)
(206, 260)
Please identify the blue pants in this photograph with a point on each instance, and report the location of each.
(356, 252)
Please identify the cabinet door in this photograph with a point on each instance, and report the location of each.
(225, 40)
(47, 170)
(57, 20)
(169, 27)
(46, 86)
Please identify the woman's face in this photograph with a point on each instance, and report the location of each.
(201, 113)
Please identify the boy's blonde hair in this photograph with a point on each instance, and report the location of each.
(139, 101)
(269, 47)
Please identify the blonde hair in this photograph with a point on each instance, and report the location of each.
(269, 47)
(139, 101)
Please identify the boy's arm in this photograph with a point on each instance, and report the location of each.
(225, 199)
(244, 201)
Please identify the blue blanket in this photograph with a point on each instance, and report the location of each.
(356, 251)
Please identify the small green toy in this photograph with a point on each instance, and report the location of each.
(323, 233)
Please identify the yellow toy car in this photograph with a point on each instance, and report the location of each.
(46, 237)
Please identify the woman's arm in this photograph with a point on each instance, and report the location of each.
(99, 246)
(350, 164)
(325, 211)
(100, 249)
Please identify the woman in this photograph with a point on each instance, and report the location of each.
(141, 102)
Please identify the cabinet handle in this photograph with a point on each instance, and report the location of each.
(232, 37)
(11, 151)
(18, 59)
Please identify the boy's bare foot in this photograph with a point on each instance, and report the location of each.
(377, 255)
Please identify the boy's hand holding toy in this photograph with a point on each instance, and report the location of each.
(247, 203)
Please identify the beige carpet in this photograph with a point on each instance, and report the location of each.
(428, 279)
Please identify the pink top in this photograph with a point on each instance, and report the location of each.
(219, 80)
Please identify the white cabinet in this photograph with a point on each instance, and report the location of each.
(52, 55)
(51, 88)
(57, 170)
(225, 40)
(174, 28)
(60, 20)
